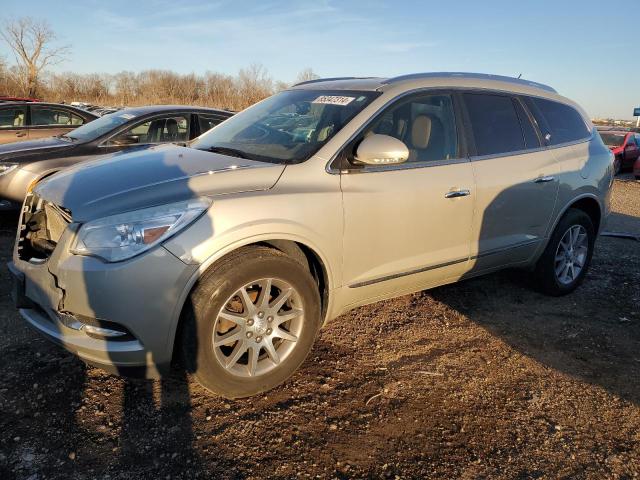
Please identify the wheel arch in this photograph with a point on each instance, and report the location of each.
(297, 249)
(588, 203)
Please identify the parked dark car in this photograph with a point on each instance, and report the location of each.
(21, 121)
(625, 146)
(22, 164)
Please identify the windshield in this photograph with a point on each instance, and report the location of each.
(613, 139)
(100, 126)
(288, 127)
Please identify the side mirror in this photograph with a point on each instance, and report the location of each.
(381, 150)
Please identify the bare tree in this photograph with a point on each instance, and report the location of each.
(31, 42)
(306, 75)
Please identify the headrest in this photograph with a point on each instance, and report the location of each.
(172, 125)
(421, 131)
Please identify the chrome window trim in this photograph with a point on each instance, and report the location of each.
(530, 150)
(411, 165)
(400, 166)
(406, 165)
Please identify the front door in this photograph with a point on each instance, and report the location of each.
(13, 123)
(408, 226)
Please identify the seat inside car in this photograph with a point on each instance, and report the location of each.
(425, 139)
(170, 131)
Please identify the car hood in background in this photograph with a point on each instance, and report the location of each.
(16, 151)
(156, 176)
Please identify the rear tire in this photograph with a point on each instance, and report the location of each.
(235, 338)
(566, 259)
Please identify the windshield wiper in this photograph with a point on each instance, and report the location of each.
(233, 152)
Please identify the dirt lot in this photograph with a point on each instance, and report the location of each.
(484, 379)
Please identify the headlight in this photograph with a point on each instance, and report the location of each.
(7, 167)
(125, 235)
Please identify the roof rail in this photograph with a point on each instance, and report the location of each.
(318, 80)
(480, 76)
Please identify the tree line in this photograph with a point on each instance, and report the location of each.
(33, 45)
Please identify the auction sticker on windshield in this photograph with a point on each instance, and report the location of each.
(334, 100)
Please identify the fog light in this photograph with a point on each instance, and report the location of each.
(102, 332)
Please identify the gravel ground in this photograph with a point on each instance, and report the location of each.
(482, 379)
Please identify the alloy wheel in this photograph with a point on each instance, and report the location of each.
(258, 327)
(571, 254)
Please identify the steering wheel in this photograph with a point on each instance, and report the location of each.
(277, 135)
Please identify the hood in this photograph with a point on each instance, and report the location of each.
(16, 151)
(151, 177)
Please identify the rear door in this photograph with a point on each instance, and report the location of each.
(516, 181)
(13, 123)
(48, 121)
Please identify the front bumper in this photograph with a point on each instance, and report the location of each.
(141, 295)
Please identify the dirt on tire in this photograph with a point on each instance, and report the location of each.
(482, 379)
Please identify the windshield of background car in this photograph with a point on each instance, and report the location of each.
(100, 126)
(613, 139)
(288, 127)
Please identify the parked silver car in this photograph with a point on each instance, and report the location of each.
(235, 250)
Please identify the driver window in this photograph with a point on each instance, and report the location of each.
(425, 124)
(174, 128)
(12, 117)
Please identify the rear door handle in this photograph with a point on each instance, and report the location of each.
(457, 193)
(544, 179)
(21, 134)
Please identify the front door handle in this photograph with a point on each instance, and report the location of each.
(544, 179)
(21, 134)
(457, 193)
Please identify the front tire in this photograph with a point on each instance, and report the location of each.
(252, 321)
(566, 259)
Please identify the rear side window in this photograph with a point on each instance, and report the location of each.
(45, 116)
(494, 123)
(559, 123)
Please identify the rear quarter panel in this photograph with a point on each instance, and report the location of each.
(587, 172)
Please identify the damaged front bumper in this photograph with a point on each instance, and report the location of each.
(118, 316)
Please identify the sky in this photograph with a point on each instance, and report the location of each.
(584, 49)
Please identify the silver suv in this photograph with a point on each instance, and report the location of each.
(232, 252)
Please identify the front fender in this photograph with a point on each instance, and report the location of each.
(242, 220)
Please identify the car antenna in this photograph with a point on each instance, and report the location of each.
(520, 75)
